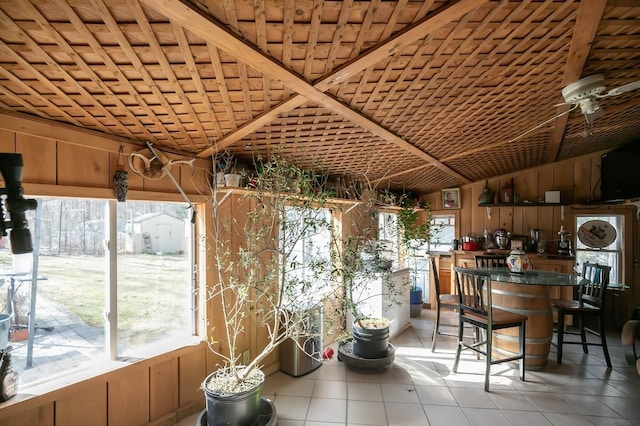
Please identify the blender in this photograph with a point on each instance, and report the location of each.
(501, 237)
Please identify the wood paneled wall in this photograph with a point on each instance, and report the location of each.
(157, 391)
(67, 157)
(61, 161)
(578, 181)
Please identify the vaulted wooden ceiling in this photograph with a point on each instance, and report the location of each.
(416, 95)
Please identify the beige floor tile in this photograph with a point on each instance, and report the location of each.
(526, 418)
(511, 400)
(486, 417)
(366, 413)
(335, 389)
(292, 407)
(436, 395)
(472, 398)
(399, 393)
(401, 414)
(439, 415)
(362, 391)
(327, 410)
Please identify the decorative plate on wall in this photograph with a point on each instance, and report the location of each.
(597, 234)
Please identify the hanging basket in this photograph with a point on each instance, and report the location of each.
(120, 178)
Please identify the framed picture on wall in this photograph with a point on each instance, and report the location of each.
(451, 198)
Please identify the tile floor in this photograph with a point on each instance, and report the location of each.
(419, 388)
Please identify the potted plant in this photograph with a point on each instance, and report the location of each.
(363, 262)
(364, 268)
(415, 230)
(259, 280)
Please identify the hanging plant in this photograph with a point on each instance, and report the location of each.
(120, 178)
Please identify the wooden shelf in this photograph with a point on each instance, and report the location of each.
(532, 204)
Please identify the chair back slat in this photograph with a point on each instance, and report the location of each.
(474, 291)
(490, 261)
(593, 288)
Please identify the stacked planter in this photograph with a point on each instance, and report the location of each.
(415, 302)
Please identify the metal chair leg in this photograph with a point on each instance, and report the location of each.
(583, 335)
(560, 336)
(603, 340)
(436, 327)
(459, 348)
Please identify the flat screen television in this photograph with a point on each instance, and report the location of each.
(620, 173)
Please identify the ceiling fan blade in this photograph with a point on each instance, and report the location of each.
(523, 134)
(622, 89)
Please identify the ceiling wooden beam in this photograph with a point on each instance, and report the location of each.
(587, 21)
(207, 28)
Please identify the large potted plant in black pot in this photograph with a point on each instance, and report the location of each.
(364, 268)
(257, 285)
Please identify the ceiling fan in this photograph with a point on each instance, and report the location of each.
(585, 93)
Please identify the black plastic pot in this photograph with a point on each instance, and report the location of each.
(267, 415)
(242, 409)
(370, 343)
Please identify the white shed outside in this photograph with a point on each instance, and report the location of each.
(158, 233)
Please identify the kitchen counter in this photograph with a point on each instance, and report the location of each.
(532, 256)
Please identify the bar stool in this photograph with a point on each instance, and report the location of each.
(589, 304)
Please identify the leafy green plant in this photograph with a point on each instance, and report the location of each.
(414, 232)
(260, 279)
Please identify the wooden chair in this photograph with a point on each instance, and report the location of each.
(490, 261)
(476, 309)
(589, 304)
(443, 301)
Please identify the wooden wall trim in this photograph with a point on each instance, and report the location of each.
(53, 131)
(63, 191)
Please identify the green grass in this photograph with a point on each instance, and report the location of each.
(152, 291)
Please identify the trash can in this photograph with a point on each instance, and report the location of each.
(295, 361)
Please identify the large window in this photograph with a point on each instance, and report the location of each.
(388, 234)
(306, 235)
(610, 255)
(445, 231)
(153, 286)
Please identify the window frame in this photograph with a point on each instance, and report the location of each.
(628, 215)
(110, 324)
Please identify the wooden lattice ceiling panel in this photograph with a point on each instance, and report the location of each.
(503, 159)
(479, 58)
(318, 139)
(313, 38)
(411, 92)
(618, 123)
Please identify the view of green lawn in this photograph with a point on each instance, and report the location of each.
(151, 290)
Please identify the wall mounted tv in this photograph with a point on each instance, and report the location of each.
(620, 173)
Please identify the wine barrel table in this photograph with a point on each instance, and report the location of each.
(527, 294)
